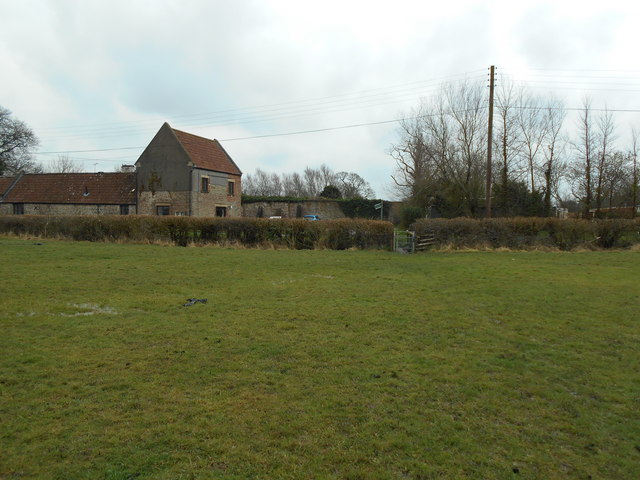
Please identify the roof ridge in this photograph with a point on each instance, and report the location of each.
(80, 173)
(193, 134)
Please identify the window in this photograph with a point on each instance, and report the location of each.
(124, 209)
(221, 211)
(231, 188)
(204, 184)
(18, 208)
(162, 210)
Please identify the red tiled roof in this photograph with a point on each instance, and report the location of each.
(74, 188)
(207, 154)
(5, 183)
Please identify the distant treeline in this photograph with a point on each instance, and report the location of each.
(311, 183)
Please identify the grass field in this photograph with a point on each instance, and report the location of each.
(317, 364)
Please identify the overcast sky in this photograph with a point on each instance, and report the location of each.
(105, 74)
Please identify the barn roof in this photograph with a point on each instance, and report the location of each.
(5, 183)
(207, 154)
(74, 188)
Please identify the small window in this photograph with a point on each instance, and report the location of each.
(204, 184)
(221, 211)
(124, 209)
(231, 188)
(18, 208)
(162, 210)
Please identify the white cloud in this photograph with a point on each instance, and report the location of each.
(106, 74)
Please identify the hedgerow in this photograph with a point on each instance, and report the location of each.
(250, 232)
(530, 232)
(513, 233)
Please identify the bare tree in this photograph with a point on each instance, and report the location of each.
(533, 130)
(553, 168)
(310, 184)
(614, 182)
(257, 184)
(293, 185)
(605, 135)
(17, 141)
(466, 105)
(584, 148)
(634, 170)
(248, 184)
(415, 173)
(275, 185)
(508, 141)
(327, 176)
(441, 153)
(312, 181)
(63, 164)
(353, 185)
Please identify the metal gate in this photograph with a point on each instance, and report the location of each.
(404, 241)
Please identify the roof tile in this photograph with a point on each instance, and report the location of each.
(5, 183)
(74, 188)
(207, 154)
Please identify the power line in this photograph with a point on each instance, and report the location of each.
(300, 132)
(599, 70)
(341, 127)
(292, 112)
(265, 109)
(338, 103)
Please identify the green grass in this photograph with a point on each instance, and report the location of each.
(316, 364)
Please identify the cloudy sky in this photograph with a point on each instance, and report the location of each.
(95, 79)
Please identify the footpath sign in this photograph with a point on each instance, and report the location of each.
(378, 206)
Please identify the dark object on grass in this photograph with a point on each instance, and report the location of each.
(193, 301)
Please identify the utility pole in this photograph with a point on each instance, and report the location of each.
(489, 142)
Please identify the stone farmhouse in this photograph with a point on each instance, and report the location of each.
(177, 174)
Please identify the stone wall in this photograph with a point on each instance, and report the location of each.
(325, 209)
(205, 204)
(178, 202)
(65, 209)
(195, 203)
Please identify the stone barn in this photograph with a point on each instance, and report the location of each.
(68, 194)
(183, 174)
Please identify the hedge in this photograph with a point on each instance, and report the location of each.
(530, 233)
(251, 232)
(512, 233)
